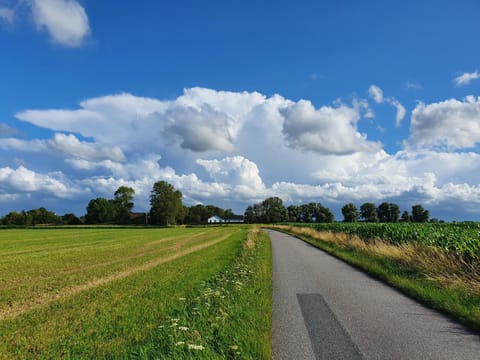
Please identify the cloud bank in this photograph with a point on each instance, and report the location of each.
(449, 125)
(235, 148)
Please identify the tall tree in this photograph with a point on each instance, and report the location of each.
(165, 203)
(388, 212)
(123, 202)
(323, 214)
(274, 210)
(182, 215)
(368, 212)
(419, 214)
(350, 213)
(249, 215)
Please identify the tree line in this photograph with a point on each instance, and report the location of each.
(167, 208)
(272, 210)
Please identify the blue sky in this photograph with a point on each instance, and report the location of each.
(236, 101)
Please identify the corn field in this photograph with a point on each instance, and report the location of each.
(462, 239)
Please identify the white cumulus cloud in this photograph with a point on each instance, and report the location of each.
(401, 111)
(23, 180)
(70, 145)
(236, 171)
(376, 93)
(328, 130)
(466, 78)
(450, 124)
(66, 21)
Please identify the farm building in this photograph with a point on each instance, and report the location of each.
(215, 219)
(235, 219)
(232, 219)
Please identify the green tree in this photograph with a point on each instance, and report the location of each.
(165, 203)
(405, 217)
(195, 214)
(368, 212)
(293, 213)
(123, 202)
(350, 213)
(14, 218)
(419, 214)
(324, 215)
(274, 210)
(100, 211)
(42, 216)
(249, 216)
(182, 215)
(71, 219)
(388, 212)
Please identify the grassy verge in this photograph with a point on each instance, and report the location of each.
(227, 317)
(436, 278)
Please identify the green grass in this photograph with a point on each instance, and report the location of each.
(459, 302)
(101, 293)
(227, 317)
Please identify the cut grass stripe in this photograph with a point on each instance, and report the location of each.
(13, 310)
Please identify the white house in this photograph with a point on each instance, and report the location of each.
(215, 219)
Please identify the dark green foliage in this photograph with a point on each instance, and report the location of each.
(115, 211)
(165, 204)
(269, 211)
(123, 203)
(368, 212)
(405, 217)
(419, 214)
(350, 213)
(100, 211)
(388, 212)
(294, 213)
(71, 219)
(274, 211)
(249, 215)
(40, 216)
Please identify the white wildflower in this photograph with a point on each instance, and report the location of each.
(195, 347)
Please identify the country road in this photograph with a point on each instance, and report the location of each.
(326, 309)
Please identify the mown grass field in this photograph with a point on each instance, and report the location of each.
(105, 293)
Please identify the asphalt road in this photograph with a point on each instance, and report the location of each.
(326, 309)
